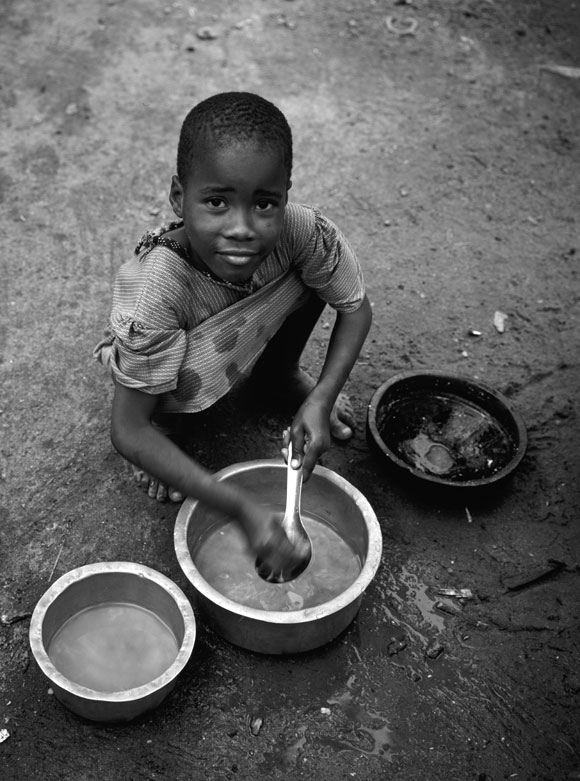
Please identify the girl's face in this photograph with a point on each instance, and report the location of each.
(232, 206)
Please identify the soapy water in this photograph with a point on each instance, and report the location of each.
(113, 647)
(224, 561)
(446, 435)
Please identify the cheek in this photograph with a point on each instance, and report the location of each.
(273, 228)
(199, 223)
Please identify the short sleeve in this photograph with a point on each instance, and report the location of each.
(144, 358)
(147, 327)
(327, 264)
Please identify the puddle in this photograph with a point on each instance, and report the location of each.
(366, 732)
(370, 734)
(293, 751)
(410, 589)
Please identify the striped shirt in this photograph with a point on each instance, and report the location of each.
(188, 338)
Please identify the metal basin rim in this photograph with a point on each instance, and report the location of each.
(343, 600)
(126, 695)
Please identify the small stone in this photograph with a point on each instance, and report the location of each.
(206, 34)
(434, 649)
(256, 725)
(499, 319)
(396, 645)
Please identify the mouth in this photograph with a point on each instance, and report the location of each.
(237, 257)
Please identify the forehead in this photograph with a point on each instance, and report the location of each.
(236, 163)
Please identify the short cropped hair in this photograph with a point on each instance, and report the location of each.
(229, 117)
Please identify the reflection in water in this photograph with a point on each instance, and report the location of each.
(409, 589)
(446, 435)
(369, 733)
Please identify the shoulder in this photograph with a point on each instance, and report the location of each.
(299, 218)
(301, 229)
(155, 286)
(305, 222)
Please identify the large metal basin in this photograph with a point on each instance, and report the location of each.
(333, 500)
(102, 584)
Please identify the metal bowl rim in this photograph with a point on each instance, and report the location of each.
(338, 603)
(379, 394)
(100, 568)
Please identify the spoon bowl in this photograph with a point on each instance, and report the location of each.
(294, 530)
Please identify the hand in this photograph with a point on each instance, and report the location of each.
(279, 560)
(310, 435)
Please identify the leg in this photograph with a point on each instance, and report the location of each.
(279, 366)
(286, 347)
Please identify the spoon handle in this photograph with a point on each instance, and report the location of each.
(293, 488)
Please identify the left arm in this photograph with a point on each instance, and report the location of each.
(310, 430)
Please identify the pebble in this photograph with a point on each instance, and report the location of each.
(206, 34)
(256, 725)
(434, 649)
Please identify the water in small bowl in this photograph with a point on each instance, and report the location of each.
(113, 647)
(225, 562)
(445, 435)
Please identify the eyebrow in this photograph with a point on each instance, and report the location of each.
(209, 190)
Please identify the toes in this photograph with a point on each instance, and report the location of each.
(161, 495)
(140, 478)
(152, 490)
(155, 489)
(175, 496)
(342, 420)
(340, 430)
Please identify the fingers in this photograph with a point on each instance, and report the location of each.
(279, 560)
(301, 445)
(305, 451)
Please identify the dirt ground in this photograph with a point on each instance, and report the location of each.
(450, 158)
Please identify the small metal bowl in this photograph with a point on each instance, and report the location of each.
(120, 585)
(334, 502)
(446, 429)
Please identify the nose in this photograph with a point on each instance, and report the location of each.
(240, 226)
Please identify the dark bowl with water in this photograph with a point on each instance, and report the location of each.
(446, 429)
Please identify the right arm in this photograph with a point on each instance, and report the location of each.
(141, 443)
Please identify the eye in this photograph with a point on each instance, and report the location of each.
(264, 205)
(216, 202)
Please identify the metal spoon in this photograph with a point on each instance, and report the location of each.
(293, 528)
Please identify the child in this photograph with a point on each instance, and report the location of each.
(236, 284)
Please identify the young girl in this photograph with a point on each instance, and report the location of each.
(236, 284)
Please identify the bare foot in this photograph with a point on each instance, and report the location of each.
(296, 388)
(154, 488)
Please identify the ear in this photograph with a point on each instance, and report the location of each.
(288, 188)
(176, 197)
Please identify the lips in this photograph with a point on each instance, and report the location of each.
(237, 257)
(236, 253)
